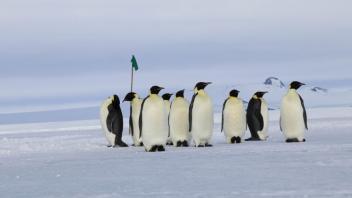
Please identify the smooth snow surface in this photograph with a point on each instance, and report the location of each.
(70, 159)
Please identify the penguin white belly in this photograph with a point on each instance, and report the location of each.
(179, 121)
(234, 119)
(202, 120)
(104, 112)
(167, 105)
(292, 122)
(155, 130)
(263, 134)
(136, 109)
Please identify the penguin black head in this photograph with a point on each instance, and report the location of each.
(166, 96)
(201, 85)
(260, 94)
(296, 85)
(180, 93)
(115, 101)
(155, 89)
(234, 93)
(129, 97)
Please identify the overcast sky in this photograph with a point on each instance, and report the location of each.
(74, 47)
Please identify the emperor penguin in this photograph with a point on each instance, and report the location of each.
(166, 97)
(201, 120)
(258, 117)
(178, 120)
(153, 121)
(233, 122)
(135, 109)
(293, 116)
(112, 121)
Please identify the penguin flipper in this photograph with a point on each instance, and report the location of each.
(131, 121)
(110, 118)
(222, 115)
(304, 112)
(190, 111)
(259, 116)
(140, 117)
(168, 123)
(117, 123)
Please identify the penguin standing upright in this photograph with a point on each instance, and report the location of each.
(201, 116)
(293, 116)
(233, 118)
(166, 97)
(153, 121)
(257, 117)
(112, 121)
(178, 120)
(135, 109)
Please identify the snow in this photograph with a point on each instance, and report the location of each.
(70, 159)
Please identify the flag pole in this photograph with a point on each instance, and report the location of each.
(132, 79)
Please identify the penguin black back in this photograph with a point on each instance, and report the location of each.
(255, 119)
(114, 121)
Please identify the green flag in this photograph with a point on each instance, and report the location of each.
(134, 63)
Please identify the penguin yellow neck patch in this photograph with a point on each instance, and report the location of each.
(201, 92)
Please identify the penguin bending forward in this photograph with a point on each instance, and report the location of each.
(233, 118)
(201, 116)
(153, 121)
(112, 121)
(257, 117)
(166, 97)
(135, 109)
(178, 120)
(293, 116)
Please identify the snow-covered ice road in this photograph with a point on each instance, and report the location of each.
(70, 159)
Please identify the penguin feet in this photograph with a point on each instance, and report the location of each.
(138, 144)
(161, 148)
(290, 140)
(253, 139)
(169, 143)
(119, 142)
(153, 149)
(235, 139)
(156, 148)
(182, 143)
(208, 145)
(179, 144)
(200, 145)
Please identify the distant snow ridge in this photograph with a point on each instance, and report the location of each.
(319, 90)
(273, 81)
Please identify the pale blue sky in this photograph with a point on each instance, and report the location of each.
(74, 51)
(69, 37)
